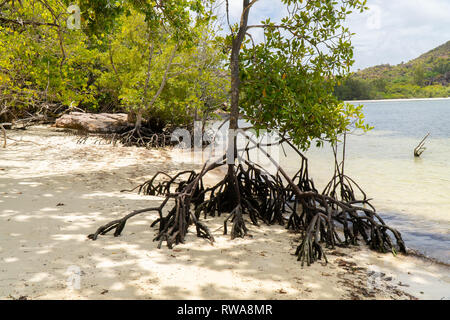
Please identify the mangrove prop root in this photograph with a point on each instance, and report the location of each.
(339, 216)
(142, 137)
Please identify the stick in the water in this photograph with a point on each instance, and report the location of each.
(420, 148)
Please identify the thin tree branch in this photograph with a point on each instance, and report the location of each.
(164, 80)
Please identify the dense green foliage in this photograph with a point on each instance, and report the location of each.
(288, 80)
(36, 68)
(163, 60)
(105, 66)
(427, 76)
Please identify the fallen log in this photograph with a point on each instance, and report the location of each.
(93, 123)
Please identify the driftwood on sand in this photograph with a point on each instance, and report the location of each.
(93, 123)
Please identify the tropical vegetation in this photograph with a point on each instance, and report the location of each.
(427, 76)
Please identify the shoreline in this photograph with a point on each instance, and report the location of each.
(53, 192)
(224, 114)
(417, 254)
(393, 100)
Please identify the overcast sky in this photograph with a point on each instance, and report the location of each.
(392, 31)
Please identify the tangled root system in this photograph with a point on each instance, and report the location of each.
(341, 215)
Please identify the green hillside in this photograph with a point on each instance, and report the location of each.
(427, 76)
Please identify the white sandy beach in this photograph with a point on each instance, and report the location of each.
(54, 192)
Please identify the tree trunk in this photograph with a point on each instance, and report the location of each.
(138, 120)
(235, 84)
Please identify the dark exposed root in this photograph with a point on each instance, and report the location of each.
(143, 137)
(310, 250)
(202, 230)
(130, 136)
(119, 224)
(337, 217)
(139, 137)
(321, 215)
(239, 229)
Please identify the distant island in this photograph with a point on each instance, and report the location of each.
(427, 76)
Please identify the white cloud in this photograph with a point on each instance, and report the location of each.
(408, 28)
(374, 20)
(392, 31)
